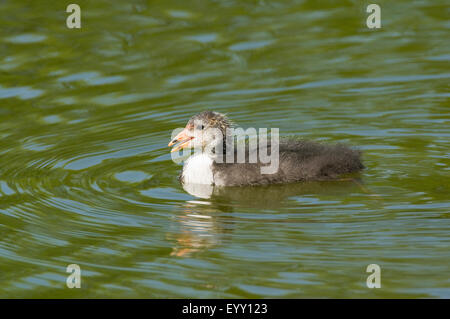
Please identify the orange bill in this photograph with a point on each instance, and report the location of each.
(182, 139)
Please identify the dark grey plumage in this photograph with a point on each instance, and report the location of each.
(300, 160)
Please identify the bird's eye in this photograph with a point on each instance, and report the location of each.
(200, 127)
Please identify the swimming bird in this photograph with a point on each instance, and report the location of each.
(208, 133)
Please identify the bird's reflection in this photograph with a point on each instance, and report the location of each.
(199, 190)
(203, 225)
(198, 229)
(271, 195)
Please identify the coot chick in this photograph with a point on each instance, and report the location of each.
(298, 160)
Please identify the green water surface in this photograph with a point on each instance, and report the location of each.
(86, 176)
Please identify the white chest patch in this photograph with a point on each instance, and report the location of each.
(198, 170)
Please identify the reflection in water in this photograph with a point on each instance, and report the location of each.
(199, 227)
(198, 230)
(199, 190)
(271, 195)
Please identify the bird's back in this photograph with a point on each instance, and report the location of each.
(299, 160)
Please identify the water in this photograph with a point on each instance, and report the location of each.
(86, 176)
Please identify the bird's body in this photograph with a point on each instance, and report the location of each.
(298, 160)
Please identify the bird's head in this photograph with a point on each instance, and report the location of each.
(204, 130)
